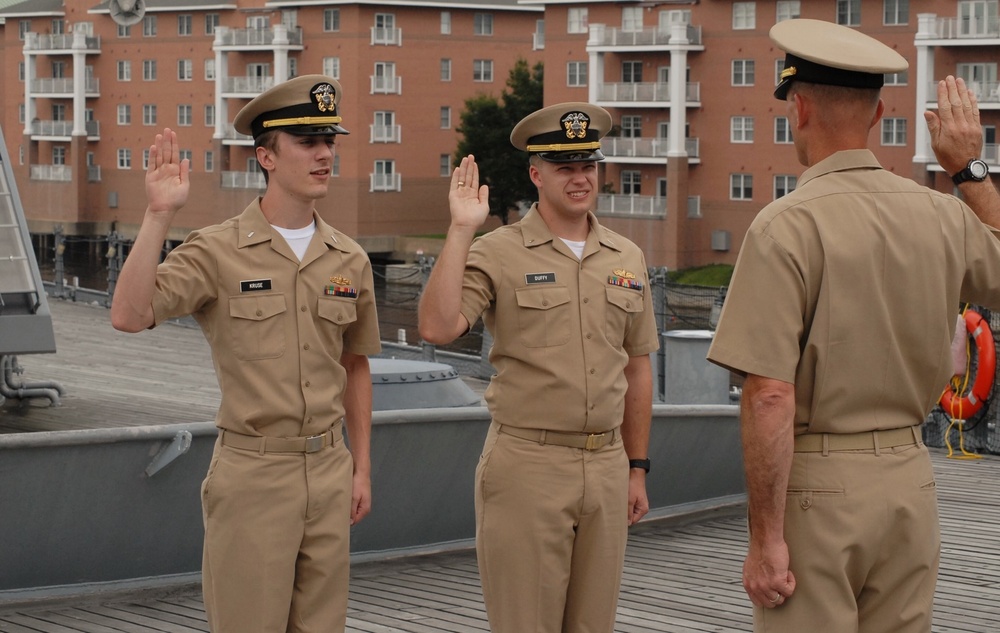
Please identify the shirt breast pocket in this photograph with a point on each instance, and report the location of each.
(338, 311)
(623, 304)
(543, 315)
(256, 329)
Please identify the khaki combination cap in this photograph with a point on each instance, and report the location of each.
(304, 106)
(826, 53)
(563, 133)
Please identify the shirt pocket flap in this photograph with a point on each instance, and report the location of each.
(627, 300)
(542, 298)
(256, 307)
(338, 310)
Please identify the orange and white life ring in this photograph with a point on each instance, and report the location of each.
(956, 401)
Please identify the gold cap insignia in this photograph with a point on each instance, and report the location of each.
(575, 124)
(325, 97)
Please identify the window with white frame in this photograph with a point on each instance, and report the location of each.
(632, 72)
(741, 129)
(631, 126)
(446, 23)
(576, 74)
(184, 24)
(209, 160)
(145, 158)
(124, 31)
(293, 67)
(743, 72)
(20, 113)
(385, 28)
(184, 114)
(384, 178)
(149, 114)
(211, 22)
(385, 78)
(632, 18)
(58, 26)
(445, 70)
(335, 171)
(849, 12)
(331, 20)
(744, 15)
(894, 131)
(740, 186)
(788, 10)
(124, 114)
(577, 21)
(631, 182)
(186, 154)
(331, 67)
(258, 22)
(23, 28)
(124, 158)
(210, 69)
(897, 79)
(209, 116)
(149, 70)
(58, 111)
(124, 70)
(20, 71)
(779, 65)
(782, 130)
(290, 19)
(384, 127)
(482, 70)
(444, 166)
(58, 70)
(149, 25)
(445, 117)
(482, 24)
(784, 185)
(185, 70)
(895, 12)
(58, 155)
(661, 187)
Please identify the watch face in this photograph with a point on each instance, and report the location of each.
(978, 169)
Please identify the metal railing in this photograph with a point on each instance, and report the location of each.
(644, 91)
(58, 173)
(386, 85)
(631, 205)
(243, 180)
(252, 85)
(385, 182)
(387, 36)
(63, 85)
(386, 134)
(257, 37)
(62, 128)
(966, 28)
(654, 36)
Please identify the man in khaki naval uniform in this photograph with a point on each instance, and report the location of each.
(569, 307)
(840, 315)
(286, 303)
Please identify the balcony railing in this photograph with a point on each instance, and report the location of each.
(985, 91)
(257, 37)
(387, 36)
(620, 147)
(62, 128)
(965, 28)
(63, 86)
(253, 85)
(60, 173)
(654, 36)
(386, 134)
(387, 85)
(59, 42)
(385, 182)
(653, 92)
(230, 134)
(629, 205)
(243, 180)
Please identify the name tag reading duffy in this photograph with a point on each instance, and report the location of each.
(540, 278)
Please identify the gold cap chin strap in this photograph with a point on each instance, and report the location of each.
(563, 147)
(302, 120)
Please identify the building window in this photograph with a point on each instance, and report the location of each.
(145, 159)
(744, 15)
(331, 20)
(209, 161)
(384, 81)
(385, 177)
(446, 23)
(782, 130)
(743, 70)
(632, 126)
(185, 70)
(482, 24)
(210, 69)
(58, 155)
(631, 182)
(23, 28)
(124, 114)
(149, 70)
(293, 67)
(384, 30)
(740, 186)
(124, 70)
(849, 12)
(331, 67)
(445, 165)
(124, 31)
(632, 18)
(209, 116)
(788, 10)
(186, 154)
(20, 71)
(211, 22)
(124, 158)
(577, 21)
(445, 70)
(20, 113)
(894, 131)
(184, 115)
(779, 65)
(149, 25)
(445, 117)
(784, 185)
(576, 74)
(58, 70)
(184, 24)
(482, 70)
(384, 127)
(149, 114)
(741, 129)
(897, 79)
(895, 12)
(631, 72)
(58, 27)
(58, 112)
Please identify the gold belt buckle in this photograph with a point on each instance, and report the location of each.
(314, 443)
(592, 440)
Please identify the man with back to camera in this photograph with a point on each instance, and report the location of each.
(840, 315)
(286, 303)
(562, 473)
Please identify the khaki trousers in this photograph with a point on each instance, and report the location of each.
(551, 528)
(864, 542)
(277, 527)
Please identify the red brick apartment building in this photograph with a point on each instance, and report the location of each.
(700, 144)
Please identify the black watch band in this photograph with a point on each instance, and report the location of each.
(639, 463)
(976, 170)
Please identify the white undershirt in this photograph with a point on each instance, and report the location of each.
(576, 247)
(298, 239)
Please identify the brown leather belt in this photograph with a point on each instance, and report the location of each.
(586, 441)
(867, 441)
(263, 444)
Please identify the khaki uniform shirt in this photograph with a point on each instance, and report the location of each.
(848, 287)
(277, 326)
(563, 329)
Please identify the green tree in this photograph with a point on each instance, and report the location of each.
(485, 126)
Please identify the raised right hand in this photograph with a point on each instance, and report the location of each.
(167, 181)
(469, 202)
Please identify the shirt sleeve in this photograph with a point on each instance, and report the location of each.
(185, 279)
(478, 286)
(363, 337)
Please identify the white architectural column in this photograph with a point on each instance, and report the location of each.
(79, 83)
(30, 72)
(221, 73)
(678, 90)
(595, 65)
(280, 45)
(924, 77)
